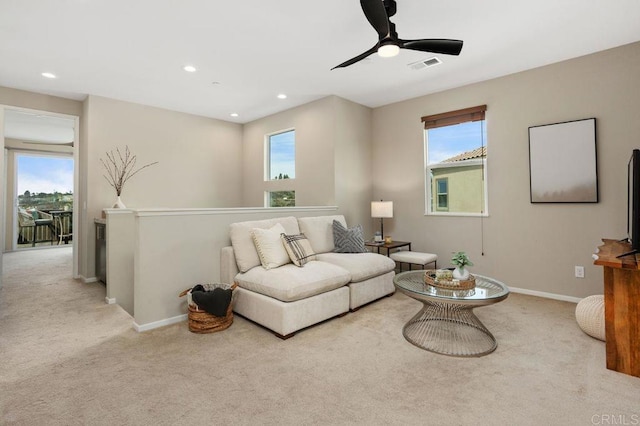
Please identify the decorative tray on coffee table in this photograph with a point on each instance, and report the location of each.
(431, 279)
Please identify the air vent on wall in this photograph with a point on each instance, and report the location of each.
(425, 63)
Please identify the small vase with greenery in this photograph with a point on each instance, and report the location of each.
(120, 168)
(461, 261)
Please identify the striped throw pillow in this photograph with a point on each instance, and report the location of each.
(299, 248)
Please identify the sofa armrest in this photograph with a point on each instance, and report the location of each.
(228, 266)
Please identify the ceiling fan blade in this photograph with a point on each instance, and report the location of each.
(357, 58)
(376, 14)
(435, 45)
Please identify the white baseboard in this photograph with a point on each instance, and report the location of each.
(545, 295)
(88, 280)
(157, 324)
(110, 300)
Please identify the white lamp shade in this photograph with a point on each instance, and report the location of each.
(382, 209)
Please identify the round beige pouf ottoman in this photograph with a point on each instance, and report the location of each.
(590, 316)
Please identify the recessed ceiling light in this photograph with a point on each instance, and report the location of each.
(189, 68)
(48, 75)
(282, 96)
(234, 114)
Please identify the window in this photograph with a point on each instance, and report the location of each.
(455, 162)
(281, 155)
(281, 199)
(280, 166)
(442, 194)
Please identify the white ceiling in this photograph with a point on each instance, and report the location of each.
(255, 49)
(33, 127)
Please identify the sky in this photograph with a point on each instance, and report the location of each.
(449, 141)
(40, 173)
(283, 154)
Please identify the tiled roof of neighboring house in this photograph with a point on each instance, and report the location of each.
(469, 155)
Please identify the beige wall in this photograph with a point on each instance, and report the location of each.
(529, 246)
(353, 164)
(199, 160)
(333, 157)
(314, 181)
(24, 99)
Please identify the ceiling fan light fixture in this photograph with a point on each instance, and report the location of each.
(388, 50)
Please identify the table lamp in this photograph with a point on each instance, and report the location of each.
(381, 209)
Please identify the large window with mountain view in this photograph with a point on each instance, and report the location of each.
(455, 146)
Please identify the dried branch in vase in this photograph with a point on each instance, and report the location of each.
(120, 168)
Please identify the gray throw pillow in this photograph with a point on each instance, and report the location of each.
(349, 240)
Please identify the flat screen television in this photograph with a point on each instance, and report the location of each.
(633, 203)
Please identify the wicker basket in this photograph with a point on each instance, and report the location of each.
(430, 279)
(201, 321)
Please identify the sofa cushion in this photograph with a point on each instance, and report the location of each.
(289, 283)
(243, 246)
(319, 231)
(269, 245)
(347, 240)
(298, 248)
(361, 266)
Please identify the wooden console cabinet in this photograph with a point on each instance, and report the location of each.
(621, 306)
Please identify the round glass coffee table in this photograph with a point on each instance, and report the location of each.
(446, 323)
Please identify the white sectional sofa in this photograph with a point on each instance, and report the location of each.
(288, 298)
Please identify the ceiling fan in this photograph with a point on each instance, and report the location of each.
(378, 13)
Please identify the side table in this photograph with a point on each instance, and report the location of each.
(389, 246)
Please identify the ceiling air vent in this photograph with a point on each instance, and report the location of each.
(425, 63)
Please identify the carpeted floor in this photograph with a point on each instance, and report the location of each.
(67, 358)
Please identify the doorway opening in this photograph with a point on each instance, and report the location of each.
(39, 136)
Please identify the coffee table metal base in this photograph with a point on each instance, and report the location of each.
(449, 329)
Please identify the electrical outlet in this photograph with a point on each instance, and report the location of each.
(579, 271)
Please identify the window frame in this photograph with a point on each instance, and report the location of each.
(446, 119)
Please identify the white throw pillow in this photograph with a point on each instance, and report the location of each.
(244, 248)
(269, 246)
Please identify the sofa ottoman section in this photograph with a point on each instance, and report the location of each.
(363, 292)
(285, 318)
(371, 275)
